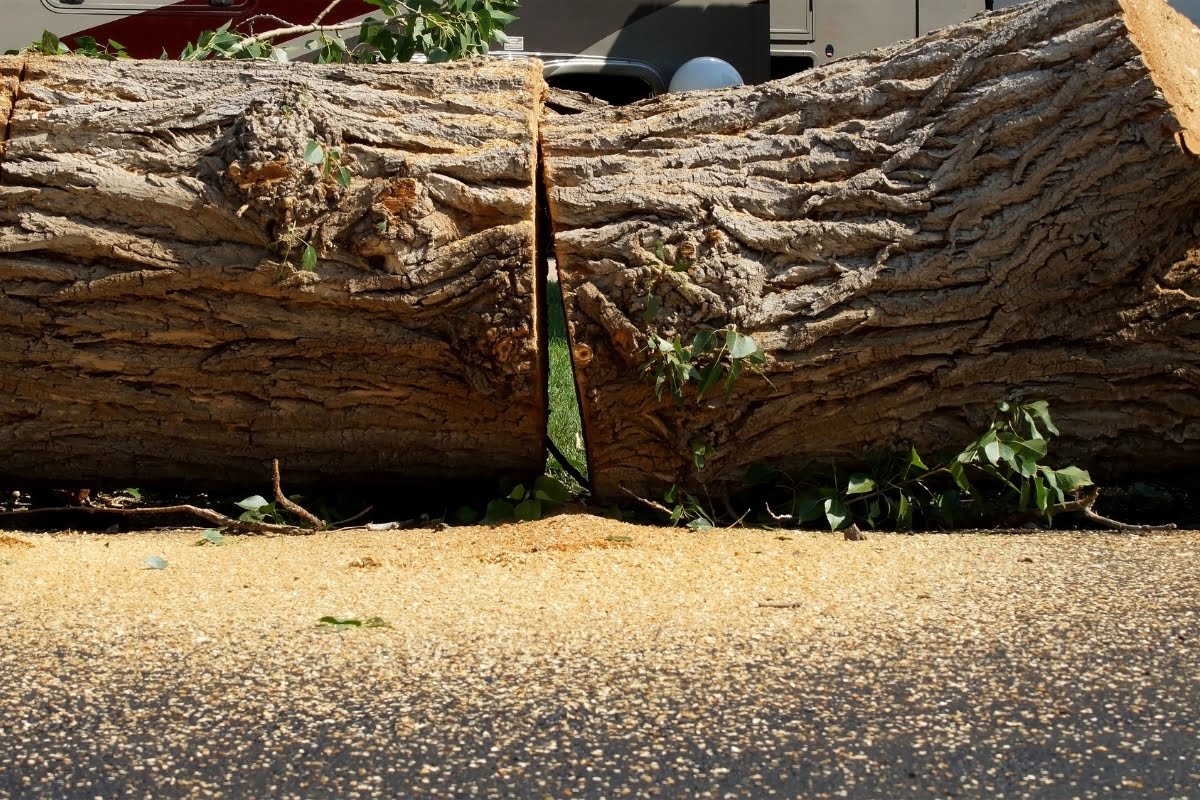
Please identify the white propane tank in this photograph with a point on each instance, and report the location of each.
(705, 72)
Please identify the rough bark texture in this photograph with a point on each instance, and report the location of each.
(910, 235)
(156, 319)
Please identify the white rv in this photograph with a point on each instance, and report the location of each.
(617, 49)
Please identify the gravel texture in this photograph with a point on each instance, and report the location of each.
(579, 657)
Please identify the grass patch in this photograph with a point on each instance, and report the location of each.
(565, 426)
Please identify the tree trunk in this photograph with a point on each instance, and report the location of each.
(164, 318)
(910, 235)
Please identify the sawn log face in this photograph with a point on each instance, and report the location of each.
(910, 235)
(157, 322)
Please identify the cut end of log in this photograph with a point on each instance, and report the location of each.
(1170, 43)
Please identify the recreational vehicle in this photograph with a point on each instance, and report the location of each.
(620, 50)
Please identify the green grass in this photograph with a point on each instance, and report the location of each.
(565, 428)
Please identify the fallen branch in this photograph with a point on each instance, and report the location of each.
(1084, 504)
(288, 505)
(659, 507)
(780, 604)
(227, 524)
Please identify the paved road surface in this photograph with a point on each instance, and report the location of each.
(561, 660)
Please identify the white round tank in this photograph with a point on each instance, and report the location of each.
(705, 72)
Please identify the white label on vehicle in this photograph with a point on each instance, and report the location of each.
(515, 43)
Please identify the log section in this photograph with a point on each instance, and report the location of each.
(909, 235)
(159, 320)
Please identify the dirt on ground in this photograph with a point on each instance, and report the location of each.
(583, 657)
(567, 572)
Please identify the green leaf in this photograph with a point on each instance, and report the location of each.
(343, 177)
(1029, 449)
(1041, 410)
(1051, 479)
(136, 494)
(914, 460)
(308, 261)
(810, 507)
(49, 45)
(836, 513)
(710, 376)
(735, 372)
(703, 342)
(528, 510)
(701, 523)
(314, 153)
(254, 502)
(904, 514)
(1071, 478)
(652, 306)
(517, 493)
(957, 472)
(498, 511)
(740, 345)
(211, 536)
(155, 562)
(700, 451)
(860, 484)
(1040, 494)
(551, 490)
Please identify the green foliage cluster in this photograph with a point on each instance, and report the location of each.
(522, 503)
(51, 45)
(1000, 472)
(439, 30)
(713, 358)
(258, 509)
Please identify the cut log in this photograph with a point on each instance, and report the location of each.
(910, 235)
(207, 266)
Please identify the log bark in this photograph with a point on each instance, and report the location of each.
(158, 321)
(910, 235)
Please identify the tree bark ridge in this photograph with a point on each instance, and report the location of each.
(160, 319)
(910, 235)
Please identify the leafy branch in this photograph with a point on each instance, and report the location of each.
(1001, 468)
(441, 30)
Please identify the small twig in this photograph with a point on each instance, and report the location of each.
(1084, 506)
(778, 517)
(348, 520)
(320, 17)
(251, 20)
(215, 517)
(297, 30)
(288, 505)
(780, 604)
(659, 507)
